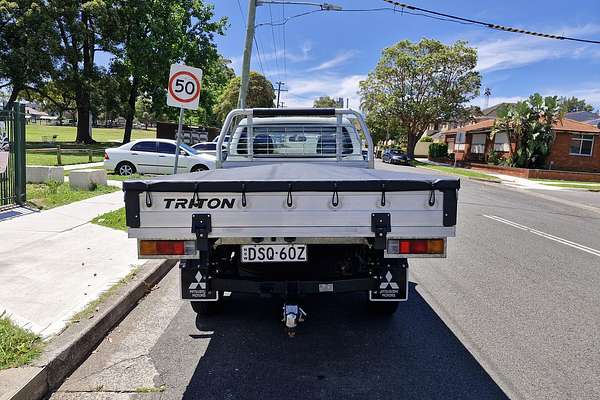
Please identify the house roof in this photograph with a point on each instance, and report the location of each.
(582, 116)
(562, 125)
(484, 125)
(566, 124)
(491, 111)
(33, 111)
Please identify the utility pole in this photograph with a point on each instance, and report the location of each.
(487, 93)
(250, 26)
(347, 103)
(247, 53)
(279, 90)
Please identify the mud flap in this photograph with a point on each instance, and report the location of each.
(393, 281)
(194, 283)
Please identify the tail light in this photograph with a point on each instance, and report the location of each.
(166, 248)
(106, 156)
(416, 246)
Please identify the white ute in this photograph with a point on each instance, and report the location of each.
(298, 212)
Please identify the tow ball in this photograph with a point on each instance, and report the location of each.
(292, 316)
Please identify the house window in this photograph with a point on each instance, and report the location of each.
(478, 143)
(501, 142)
(459, 144)
(581, 145)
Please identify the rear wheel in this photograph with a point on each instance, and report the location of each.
(199, 167)
(383, 307)
(206, 307)
(125, 168)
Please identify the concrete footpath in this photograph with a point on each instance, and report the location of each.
(54, 262)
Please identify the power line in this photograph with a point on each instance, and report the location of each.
(274, 41)
(284, 46)
(455, 18)
(422, 12)
(254, 38)
(242, 13)
(259, 57)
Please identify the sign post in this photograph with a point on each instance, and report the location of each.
(183, 91)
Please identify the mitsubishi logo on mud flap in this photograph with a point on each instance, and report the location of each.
(389, 283)
(198, 283)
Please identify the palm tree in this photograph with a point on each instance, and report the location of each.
(528, 125)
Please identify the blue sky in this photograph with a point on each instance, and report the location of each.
(328, 53)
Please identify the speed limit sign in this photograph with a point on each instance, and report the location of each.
(184, 86)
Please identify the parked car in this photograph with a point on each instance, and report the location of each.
(394, 156)
(155, 156)
(209, 148)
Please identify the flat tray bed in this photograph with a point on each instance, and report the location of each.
(296, 177)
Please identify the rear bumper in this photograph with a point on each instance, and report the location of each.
(299, 287)
(388, 282)
(109, 165)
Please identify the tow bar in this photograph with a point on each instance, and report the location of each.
(292, 316)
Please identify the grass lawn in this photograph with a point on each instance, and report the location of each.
(17, 346)
(34, 133)
(573, 185)
(66, 159)
(458, 171)
(114, 177)
(569, 184)
(114, 219)
(45, 196)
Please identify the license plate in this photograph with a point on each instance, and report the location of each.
(274, 253)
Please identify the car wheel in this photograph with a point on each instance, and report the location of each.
(206, 307)
(383, 307)
(199, 167)
(125, 168)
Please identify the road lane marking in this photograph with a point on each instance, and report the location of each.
(545, 235)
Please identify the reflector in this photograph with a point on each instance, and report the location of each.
(162, 247)
(415, 246)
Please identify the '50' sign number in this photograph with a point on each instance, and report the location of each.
(184, 86)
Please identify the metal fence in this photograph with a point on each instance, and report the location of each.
(12, 156)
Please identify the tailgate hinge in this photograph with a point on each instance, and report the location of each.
(380, 225)
(201, 226)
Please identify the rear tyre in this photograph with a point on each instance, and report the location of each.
(206, 307)
(199, 167)
(383, 307)
(125, 168)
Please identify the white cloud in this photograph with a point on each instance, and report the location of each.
(303, 91)
(339, 59)
(520, 50)
(480, 101)
(590, 92)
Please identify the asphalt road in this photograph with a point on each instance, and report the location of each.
(514, 311)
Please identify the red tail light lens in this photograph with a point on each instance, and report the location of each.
(415, 246)
(106, 156)
(166, 247)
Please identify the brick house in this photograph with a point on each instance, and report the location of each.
(576, 144)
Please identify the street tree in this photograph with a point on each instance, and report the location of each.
(143, 111)
(528, 124)
(214, 81)
(155, 34)
(260, 94)
(53, 97)
(415, 85)
(573, 104)
(25, 40)
(325, 102)
(82, 28)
